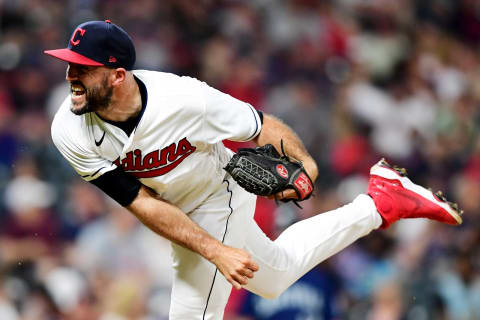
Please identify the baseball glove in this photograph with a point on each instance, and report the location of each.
(264, 172)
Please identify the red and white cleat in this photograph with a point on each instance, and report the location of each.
(397, 197)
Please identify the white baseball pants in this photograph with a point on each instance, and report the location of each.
(201, 292)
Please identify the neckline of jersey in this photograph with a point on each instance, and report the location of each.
(130, 125)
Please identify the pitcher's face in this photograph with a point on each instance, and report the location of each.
(90, 90)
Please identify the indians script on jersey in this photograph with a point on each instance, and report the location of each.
(155, 163)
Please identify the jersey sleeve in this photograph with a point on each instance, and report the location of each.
(73, 147)
(228, 118)
(101, 172)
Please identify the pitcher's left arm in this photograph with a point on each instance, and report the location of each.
(275, 132)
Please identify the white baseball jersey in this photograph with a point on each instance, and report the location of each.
(176, 148)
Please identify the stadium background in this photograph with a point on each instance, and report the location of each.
(356, 79)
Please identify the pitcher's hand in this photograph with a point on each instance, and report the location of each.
(235, 264)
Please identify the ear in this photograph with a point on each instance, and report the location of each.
(118, 76)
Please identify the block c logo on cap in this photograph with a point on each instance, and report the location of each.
(76, 42)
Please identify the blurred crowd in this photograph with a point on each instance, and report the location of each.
(357, 80)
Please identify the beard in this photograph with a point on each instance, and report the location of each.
(96, 99)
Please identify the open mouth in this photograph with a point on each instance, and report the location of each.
(77, 89)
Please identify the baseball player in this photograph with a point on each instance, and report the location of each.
(153, 142)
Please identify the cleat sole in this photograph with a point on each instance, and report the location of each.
(401, 171)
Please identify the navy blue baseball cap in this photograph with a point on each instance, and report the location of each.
(98, 43)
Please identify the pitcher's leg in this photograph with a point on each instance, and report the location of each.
(307, 243)
(392, 196)
(199, 290)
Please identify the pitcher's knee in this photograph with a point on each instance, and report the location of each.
(272, 291)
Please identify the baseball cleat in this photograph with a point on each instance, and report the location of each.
(397, 197)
